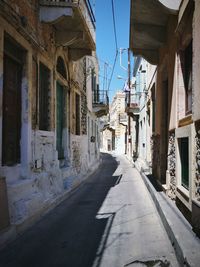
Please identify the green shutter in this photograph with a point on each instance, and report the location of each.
(59, 120)
(184, 154)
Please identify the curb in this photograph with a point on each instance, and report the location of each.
(186, 245)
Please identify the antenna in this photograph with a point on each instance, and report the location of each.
(121, 50)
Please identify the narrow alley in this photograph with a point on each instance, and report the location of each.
(99, 133)
(109, 221)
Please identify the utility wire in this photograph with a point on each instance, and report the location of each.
(113, 69)
(116, 44)
(114, 24)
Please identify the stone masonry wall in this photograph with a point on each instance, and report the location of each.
(83, 113)
(24, 15)
(197, 171)
(76, 156)
(172, 165)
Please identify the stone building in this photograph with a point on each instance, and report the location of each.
(114, 130)
(50, 102)
(167, 34)
(108, 139)
(118, 120)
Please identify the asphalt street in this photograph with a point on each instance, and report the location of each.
(109, 221)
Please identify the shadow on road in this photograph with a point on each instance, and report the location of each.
(74, 234)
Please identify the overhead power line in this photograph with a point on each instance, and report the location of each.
(115, 60)
(114, 24)
(116, 44)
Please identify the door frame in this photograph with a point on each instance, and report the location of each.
(22, 169)
(61, 152)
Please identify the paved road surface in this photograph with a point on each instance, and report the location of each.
(110, 221)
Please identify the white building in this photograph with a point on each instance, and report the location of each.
(118, 121)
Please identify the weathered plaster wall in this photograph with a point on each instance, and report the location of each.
(23, 16)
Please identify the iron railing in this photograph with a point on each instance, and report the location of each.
(123, 118)
(133, 100)
(100, 97)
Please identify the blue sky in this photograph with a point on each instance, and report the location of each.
(105, 40)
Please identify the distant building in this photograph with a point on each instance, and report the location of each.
(118, 120)
(108, 139)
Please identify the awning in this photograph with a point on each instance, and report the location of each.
(148, 22)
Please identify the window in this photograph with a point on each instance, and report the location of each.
(60, 67)
(44, 98)
(77, 102)
(184, 159)
(188, 77)
(186, 64)
(94, 86)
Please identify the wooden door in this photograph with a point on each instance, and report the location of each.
(11, 112)
(4, 213)
(59, 120)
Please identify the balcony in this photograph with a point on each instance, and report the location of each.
(100, 103)
(148, 26)
(123, 119)
(133, 104)
(74, 22)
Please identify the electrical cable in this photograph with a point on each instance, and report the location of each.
(116, 44)
(113, 69)
(114, 24)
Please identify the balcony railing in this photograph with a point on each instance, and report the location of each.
(100, 97)
(100, 102)
(123, 119)
(133, 103)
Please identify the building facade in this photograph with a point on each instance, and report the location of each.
(114, 126)
(167, 36)
(50, 103)
(139, 111)
(118, 121)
